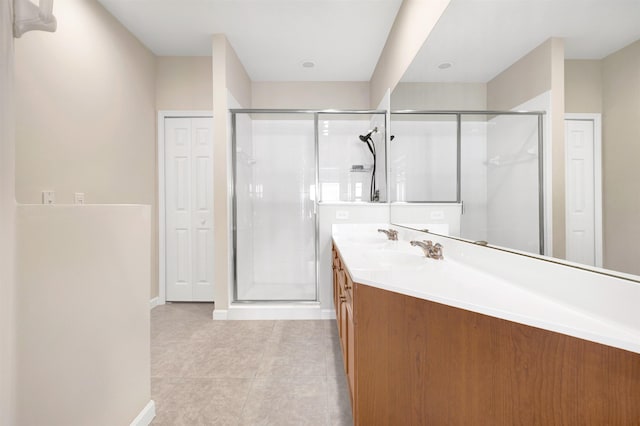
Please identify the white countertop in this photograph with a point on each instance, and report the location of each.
(397, 266)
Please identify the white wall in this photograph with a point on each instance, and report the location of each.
(310, 94)
(184, 83)
(85, 112)
(83, 314)
(439, 96)
(7, 218)
(621, 150)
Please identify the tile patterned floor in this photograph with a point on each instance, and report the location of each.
(245, 373)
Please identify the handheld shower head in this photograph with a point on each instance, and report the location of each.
(365, 138)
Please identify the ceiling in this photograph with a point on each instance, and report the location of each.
(272, 38)
(481, 38)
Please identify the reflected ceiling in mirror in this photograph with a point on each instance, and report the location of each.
(481, 38)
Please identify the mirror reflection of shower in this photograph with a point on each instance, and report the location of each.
(374, 193)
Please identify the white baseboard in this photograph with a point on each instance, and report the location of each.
(154, 302)
(328, 314)
(219, 314)
(274, 312)
(146, 415)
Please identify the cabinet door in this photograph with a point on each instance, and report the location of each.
(351, 346)
(335, 289)
(344, 320)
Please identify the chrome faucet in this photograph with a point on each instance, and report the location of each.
(391, 234)
(432, 251)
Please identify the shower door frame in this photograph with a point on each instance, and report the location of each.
(316, 139)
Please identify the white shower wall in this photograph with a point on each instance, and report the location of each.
(512, 178)
(424, 160)
(499, 173)
(340, 149)
(424, 172)
(473, 223)
(275, 194)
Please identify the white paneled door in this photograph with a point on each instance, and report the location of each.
(189, 209)
(581, 191)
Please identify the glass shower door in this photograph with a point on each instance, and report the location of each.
(275, 220)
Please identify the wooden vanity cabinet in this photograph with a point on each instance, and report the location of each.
(343, 299)
(411, 361)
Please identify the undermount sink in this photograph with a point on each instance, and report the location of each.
(367, 239)
(395, 259)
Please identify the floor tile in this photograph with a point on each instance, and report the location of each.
(200, 401)
(338, 401)
(207, 372)
(287, 401)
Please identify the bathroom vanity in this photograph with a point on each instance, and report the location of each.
(449, 342)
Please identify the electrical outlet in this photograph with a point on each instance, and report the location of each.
(342, 214)
(78, 198)
(48, 197)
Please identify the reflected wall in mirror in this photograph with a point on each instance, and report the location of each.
(547, 58)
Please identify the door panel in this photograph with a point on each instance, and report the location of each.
(275, 216)
(189, 209)
(580, 191)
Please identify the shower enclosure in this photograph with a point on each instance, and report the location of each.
(488, 162)
(284, 163)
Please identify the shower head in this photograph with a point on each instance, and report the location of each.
(365, 138)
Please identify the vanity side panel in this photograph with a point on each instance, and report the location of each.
(421, 362)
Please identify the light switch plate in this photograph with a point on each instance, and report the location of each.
(48, 197)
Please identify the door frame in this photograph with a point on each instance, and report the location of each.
(597, 174)
(162, 220)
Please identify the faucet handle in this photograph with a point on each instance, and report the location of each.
(436, 252)
(428, 242)
(391, 234)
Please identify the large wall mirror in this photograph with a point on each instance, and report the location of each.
(518, 123)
